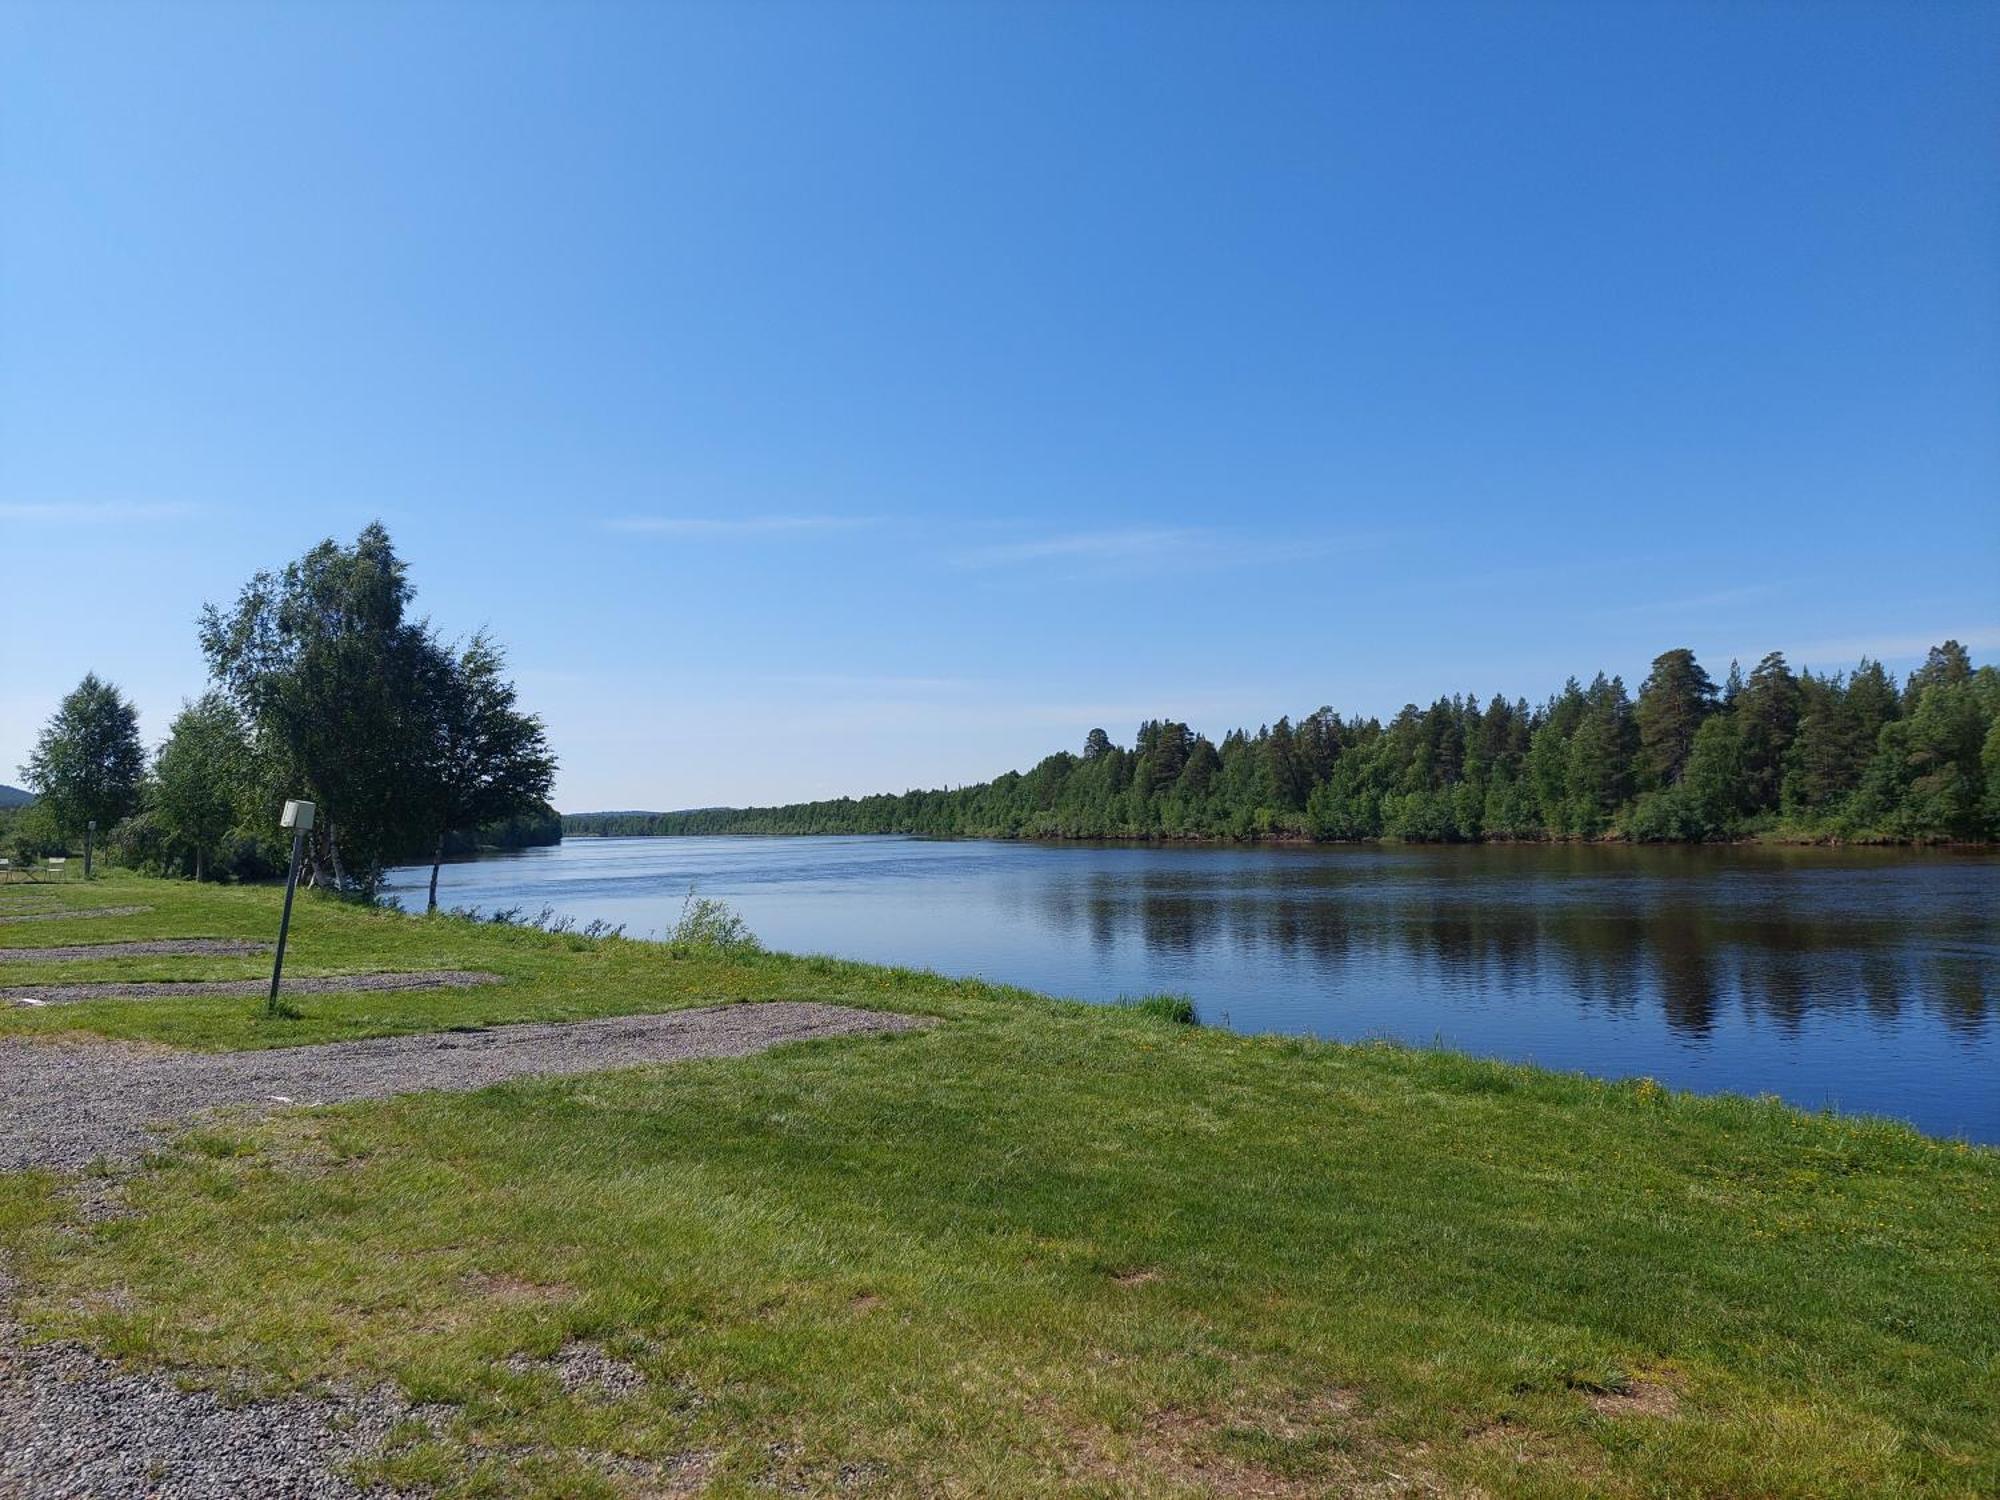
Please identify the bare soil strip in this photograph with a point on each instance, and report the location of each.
(157, 948)
(70, 1103)
(169, 989)
(74, 914)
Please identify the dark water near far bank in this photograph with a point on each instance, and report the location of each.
(1867, 980)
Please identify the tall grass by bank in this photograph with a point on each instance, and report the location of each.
(1038, 1248)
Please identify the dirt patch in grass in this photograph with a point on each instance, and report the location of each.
(516, 1289)
(1640, 1398)
(180, 989)
(1313, 1446)
(160, 948)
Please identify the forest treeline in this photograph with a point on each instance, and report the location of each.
(1847, 756)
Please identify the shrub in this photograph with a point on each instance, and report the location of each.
(708, 923)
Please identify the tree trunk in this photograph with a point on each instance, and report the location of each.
(200, 865)
(333, 852)
(437, 858)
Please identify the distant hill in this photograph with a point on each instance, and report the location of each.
(627, 821)
(13, 796)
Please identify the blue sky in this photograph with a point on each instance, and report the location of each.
(835, 397)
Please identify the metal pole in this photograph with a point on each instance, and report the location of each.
(285, 922)
(89, 837)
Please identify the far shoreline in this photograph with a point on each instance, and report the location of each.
(1291, 841)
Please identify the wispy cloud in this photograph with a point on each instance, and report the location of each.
(1164, 549)
(94, 512)
(734, 526)
(1136, 544)
(846, 682)
(1748, 593)
(1845, 652)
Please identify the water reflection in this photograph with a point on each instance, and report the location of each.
(1691, 949)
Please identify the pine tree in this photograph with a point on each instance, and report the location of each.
(1945, 666)
(1674, 700)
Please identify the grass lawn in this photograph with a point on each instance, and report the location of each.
(1037, 1248)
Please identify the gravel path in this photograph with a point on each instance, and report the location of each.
(74, 1426)
(169, 989)
(77, 1427)
(74, 914)
(70, 1103)
(159, 948)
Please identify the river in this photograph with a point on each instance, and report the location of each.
(1864, 980)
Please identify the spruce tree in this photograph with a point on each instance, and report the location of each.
(1767, 713)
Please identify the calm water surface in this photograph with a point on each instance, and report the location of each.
(1864, 980)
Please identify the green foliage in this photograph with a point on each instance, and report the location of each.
(29, 833)
(400, 739)
(484, 759)
(1989, 761)
(1804, 756)
(1673, 703)
(199, 779)
(1828, 754)
(1766, 713)
(1927, 780)
(716, 926)
(88, 762)
(328, 671)
(536, 828)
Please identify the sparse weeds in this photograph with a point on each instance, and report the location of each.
(546, 920)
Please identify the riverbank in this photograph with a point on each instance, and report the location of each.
(1031, 1247)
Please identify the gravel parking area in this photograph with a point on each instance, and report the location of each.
(169, 989)
(157, 948)
(74, 1426)
(70, 1103)
(74, 915)
(77, 1427)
